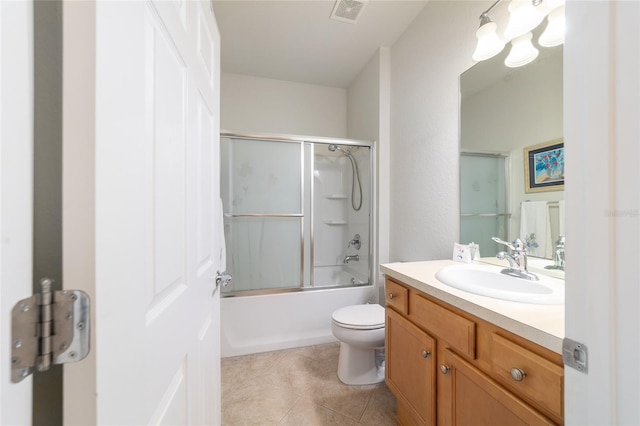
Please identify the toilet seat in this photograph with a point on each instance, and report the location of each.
(360, 317)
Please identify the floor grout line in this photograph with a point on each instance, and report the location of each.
(366, 406)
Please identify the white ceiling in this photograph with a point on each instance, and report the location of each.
(295, 40)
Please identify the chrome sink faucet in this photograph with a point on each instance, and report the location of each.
(354, 257)
(517, 259)
(558, 256)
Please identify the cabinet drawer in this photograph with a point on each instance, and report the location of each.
(458, 331)
(397, 296)
(542, 381)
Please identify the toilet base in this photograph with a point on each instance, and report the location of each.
(360, 366)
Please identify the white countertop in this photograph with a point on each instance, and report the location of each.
(541, 324)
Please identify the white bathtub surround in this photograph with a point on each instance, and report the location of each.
(336, 275)
(252, 324)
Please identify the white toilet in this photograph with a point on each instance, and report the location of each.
(360, 329)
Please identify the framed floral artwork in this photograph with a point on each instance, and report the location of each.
(544, 167)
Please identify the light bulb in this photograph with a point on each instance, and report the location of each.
(522, 51)
(489, 44)
(553, 34)
(523, 17)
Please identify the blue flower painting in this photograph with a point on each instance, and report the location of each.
(549, 165)
(544, 167)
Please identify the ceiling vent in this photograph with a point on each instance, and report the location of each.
(348, 10)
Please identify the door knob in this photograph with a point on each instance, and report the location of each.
(444, 369)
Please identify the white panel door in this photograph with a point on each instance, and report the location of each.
(154, 203)
(16, 191)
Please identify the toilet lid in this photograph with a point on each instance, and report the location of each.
(360, 316)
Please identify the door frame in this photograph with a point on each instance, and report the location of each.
(78, 201)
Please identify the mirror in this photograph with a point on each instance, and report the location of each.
(504, 111)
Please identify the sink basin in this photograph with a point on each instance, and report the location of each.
(486, 280)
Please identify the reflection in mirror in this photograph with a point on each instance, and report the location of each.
(484, 209)
(503, 112)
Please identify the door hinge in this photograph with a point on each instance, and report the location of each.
(48, 328)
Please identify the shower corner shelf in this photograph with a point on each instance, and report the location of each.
(335, 222)
(335, 196)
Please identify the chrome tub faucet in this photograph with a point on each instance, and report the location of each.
(349, 258)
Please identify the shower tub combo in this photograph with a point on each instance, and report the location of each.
(298, 229)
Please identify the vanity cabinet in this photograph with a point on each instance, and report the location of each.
(448, 367)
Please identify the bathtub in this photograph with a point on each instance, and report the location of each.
(268, 322)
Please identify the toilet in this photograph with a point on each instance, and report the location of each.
(360, 330)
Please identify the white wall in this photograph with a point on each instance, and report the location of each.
(425, 65)
(254, 104)
(363, 102)
(367, 118)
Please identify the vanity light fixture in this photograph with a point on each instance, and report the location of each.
(524, 16)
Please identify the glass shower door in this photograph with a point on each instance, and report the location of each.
(262, 191)
(484, 207)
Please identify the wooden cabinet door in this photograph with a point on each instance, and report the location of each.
(410, 368)
(469, 397)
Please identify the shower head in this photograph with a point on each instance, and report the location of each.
(333, 148)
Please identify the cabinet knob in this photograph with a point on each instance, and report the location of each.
(392, 296)
(517, 374)
(444, 369)
(426, 354)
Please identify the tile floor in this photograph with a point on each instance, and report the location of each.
(299, 387)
